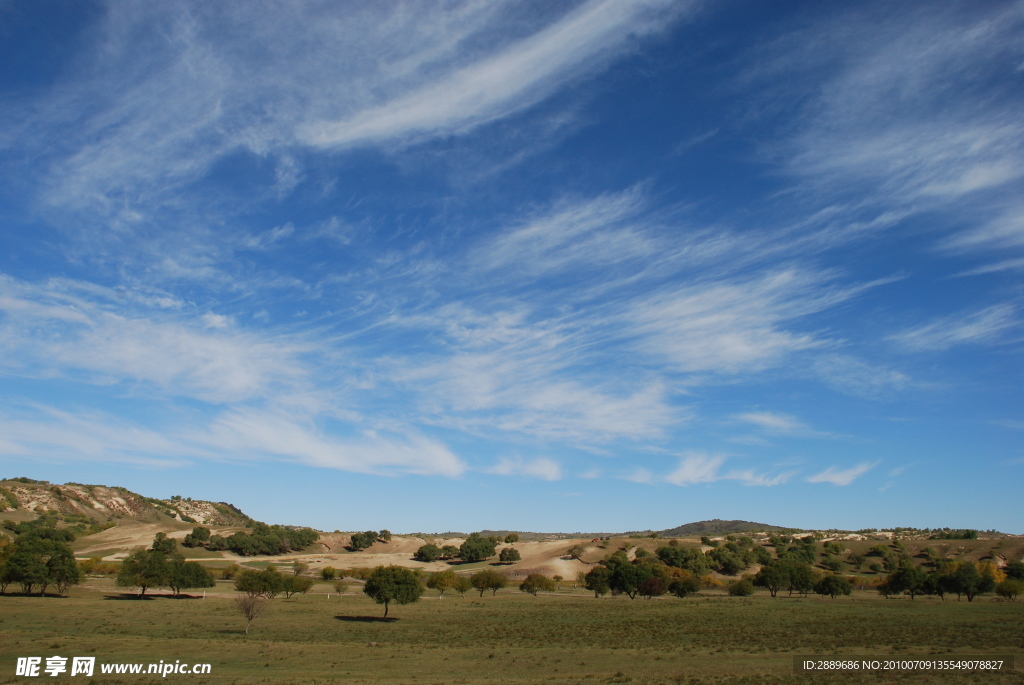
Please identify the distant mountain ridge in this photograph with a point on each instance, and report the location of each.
(100, 503)
(720, 527)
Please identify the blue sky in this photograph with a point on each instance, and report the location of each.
(579, 266)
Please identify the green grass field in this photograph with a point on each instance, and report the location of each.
(568, 637)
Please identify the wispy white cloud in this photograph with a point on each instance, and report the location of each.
(773, 422)
(541, 468)
(859, 378)
(48, 332)
(161, 93)
(980, 327)
(837, 476)
(47, 433)
(696, 467)
(594, 232)
(239, 435)
(940, 131)
(1004, 231)
(285, 435)
(515, 78)
(731, 326)
(897, 127)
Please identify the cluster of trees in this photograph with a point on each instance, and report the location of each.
(963, 579)
(270, 582)
(647, 576)
(361, 541)
(475, 548)
(79, 524)
(40, 557)
(162, 565)
(431, 552)
(263, 540)
(953, 534)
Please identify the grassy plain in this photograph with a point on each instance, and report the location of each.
(566, 637)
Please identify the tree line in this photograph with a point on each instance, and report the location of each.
(263, 540)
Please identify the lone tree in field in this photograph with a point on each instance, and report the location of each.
(511, 538)
(536, 582)
(488, 580)
(441, 581)
(144, 569)
(389, 584)
(509, 555)
(833, 586)
(773, 577)
(266, 583)
(1010, 588)
(186, 575)
(251, 607)
(462, 585)
(296, 584)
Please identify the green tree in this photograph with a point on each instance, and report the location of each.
(442, 581)
(576, 551)
(684, 586)
(509, 555)
(1015, 569)
(165, 545)
(266, 583)
(833, 586)
(689, 558)
(834, 548)
(477, 548)
(144, 569)
(832, 564)
(598, 580)
(293, 584)
(511, 538)
(186, 575)
(428, 552)
(741, 588)
(773, 577)
(627, 578)
(36, 559)
(462, 585)
(537, 582)
(801, 577)
(449, 552)
(1010, 588)
(199, 537)
(907, 579)
(384, 535)
(328, 573)
(488, 580)
(361, 541)
(396, 584)
(967, 581)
